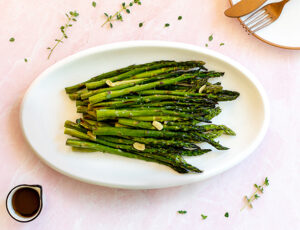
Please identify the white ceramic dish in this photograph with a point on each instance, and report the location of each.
(284, 32)
(46, 106)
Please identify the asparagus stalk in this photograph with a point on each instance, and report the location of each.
(82, 109)
(72, 125)
(203, 128)
(218, 97)
(146, 72)
(212, 88)
(212, 113)
(106, 149)
(76, 95)
(196, 152)
(78, 149)
(136, 124)
(133, 72)
(200, 137)
(187, 122)
(136, 133)
(191, 111)
(169, 99)
(112, 113)
(118, 143)
(118, 140)
(101, 90)
(113, 131)
(159, 118)
(89, 117)
(74, 88)
(107, 95)
(82, 103)
(162, 142)
(77, 87)
(171, 92)
(138, 81)
(214, 134)
(177, 161)
(158, 154)
(171, 103)
(226, 130)
(94, 123)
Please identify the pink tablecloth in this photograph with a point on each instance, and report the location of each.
(69, 204)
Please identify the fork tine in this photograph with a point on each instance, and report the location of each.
(262, 26)
(259, 23)
(254, 14)
(262, 16)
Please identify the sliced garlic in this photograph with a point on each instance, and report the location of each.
(110, 83)
(202, 88)
(139, 146)
(157, 125)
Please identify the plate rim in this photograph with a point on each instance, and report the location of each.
(165, 44)
(264, 40)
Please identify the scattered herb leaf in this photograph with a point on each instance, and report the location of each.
(266, 181)
(25, 59)
(71, 16)
(203, 216)
(206, 45)
(182, 212)
(221, 44)
(141, 24)
(167, 25)
(118, 15)
(255, 196)
(94, 4)
(179, 17)
(210, 38)
(12, 39)
(226, 214)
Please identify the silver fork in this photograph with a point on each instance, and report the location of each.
(265, 16)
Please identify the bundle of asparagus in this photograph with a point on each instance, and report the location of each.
(151, 112)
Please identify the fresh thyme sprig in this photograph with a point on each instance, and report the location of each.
(203, 216)
(182, 212)
(255, 196)
(118, 15)
(70, 17)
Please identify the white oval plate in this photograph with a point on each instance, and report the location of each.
(284, 32)
(46, 106)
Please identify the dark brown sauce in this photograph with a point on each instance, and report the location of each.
(26, 202)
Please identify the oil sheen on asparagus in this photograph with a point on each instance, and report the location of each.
(156, 112)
